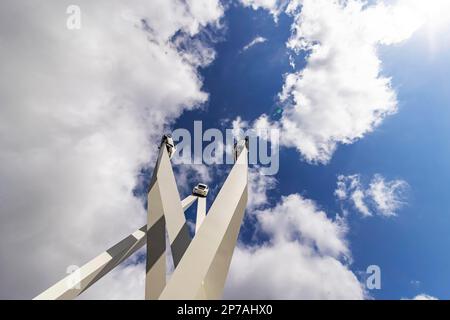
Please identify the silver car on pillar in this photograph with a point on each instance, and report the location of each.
(201, 190)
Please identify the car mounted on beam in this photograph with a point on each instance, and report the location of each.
(239, 146)
(170, 145)
(200, 190)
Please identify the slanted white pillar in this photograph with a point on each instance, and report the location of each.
(164, 211)
(202, 271)
(77, 282)
(201, 213)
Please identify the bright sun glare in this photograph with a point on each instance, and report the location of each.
(434, 18)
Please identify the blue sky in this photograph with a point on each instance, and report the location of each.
(411, 145)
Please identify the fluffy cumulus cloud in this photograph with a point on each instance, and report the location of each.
(340, 95)
(82, 111)
(312, 247)
(382, 197)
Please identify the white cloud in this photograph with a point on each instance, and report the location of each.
(312, 248)
(254, 42)
(424, 297)
(382, 197)
(275, 7)
(239, 126)
(350, 188)
(81, 114)
(341, 95)
(358, 199)
(387, 195)
(259, 187)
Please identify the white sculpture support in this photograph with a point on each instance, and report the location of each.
(201, 264)
(77, 282)
(164, 211)
(203, 269)
(201, 213)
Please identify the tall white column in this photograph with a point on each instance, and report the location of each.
(164, 211)
(203, 269)
(201, 213)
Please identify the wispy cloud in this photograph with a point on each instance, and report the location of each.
(381, 197)
(254, 42)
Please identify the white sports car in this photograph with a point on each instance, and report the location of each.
(200, 190)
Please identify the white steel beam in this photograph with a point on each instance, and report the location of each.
(202, 270)
(164, 211)
(74, 284)
(201, 213)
